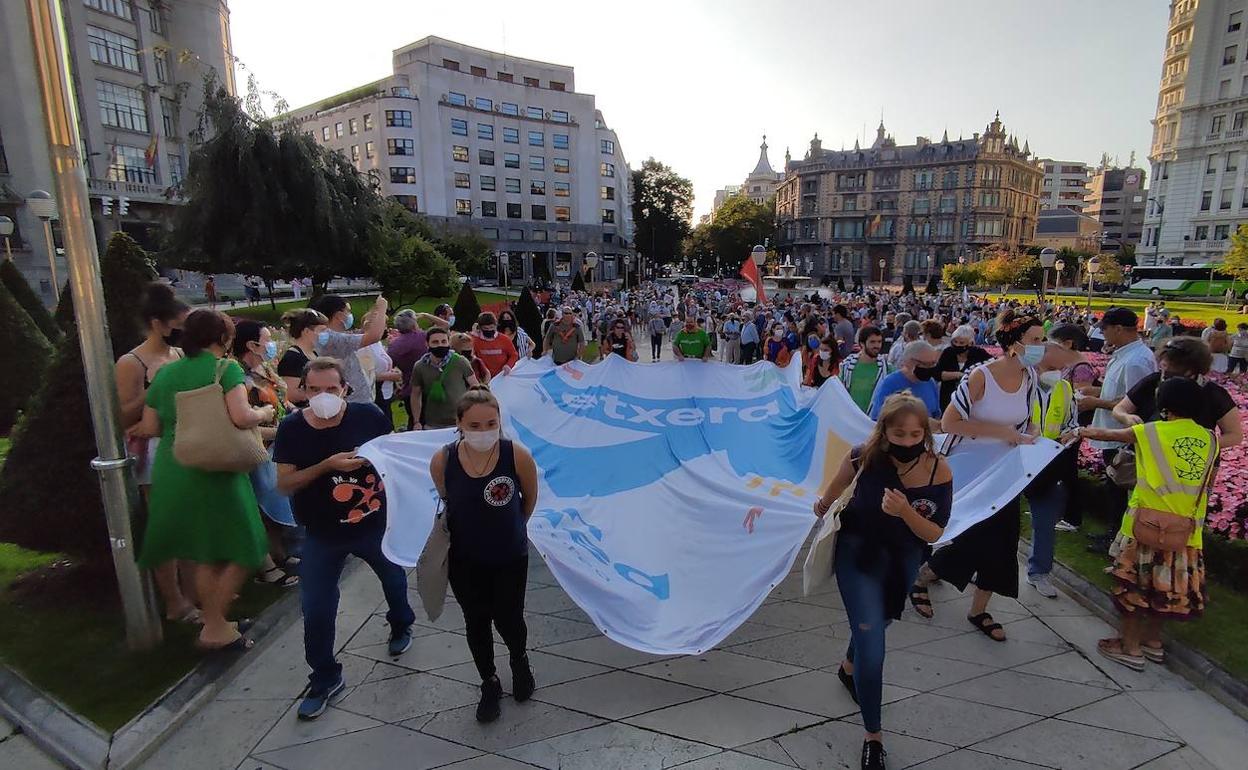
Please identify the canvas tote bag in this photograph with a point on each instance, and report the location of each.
(433, 568)
(818, 567)
(205, 437)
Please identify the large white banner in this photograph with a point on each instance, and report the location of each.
(674, 496)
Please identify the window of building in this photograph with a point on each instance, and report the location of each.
(555, 85)
(849, 203)
(368, 121)
(608, 216)
(1224, 202)
(559, 116)
(511, 160)
(396, 118)
(511, 185)
(462, 180)
(515, 235)
(400, 146)
(559, 141)
(450, 64)
(402, 175)
(457, 99)
(459, 127)
(606, 193)
(535, 113)
(129, 164)
(563, 236)
(532, 82)
(489, 209)
(108, 47)
(563, 166)
(1224, 89)
(1236, 20)
(169, 116)
(607, 170)
(537, 235)
(538, 212)
(506, 77)
(403, 91)
(1229, 54)
(369, 150)
(537, 139)
(490, 232)
(459, 153)
(120, 8)
(175, 168)
(478, 71)
(988, 227)
(607, 146)
(1211, 164)
(1206, 200)
(1232, 162)
(537, 187)
(463, 207)
(355, 154)
(563, 190)
(485, 157)
(563, 214)
(922, 206)
(485, 131)
(1221, 232)
(121, 107)
(509, 109)
(607, 237)
(1202, 232)
(514, 211)
(353, 127)
(537, 163)
(481, 103)
(511, 136)
(1219, 122)
(487, 183)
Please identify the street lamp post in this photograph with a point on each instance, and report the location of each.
(1093, 267)
(628, 262)
(6, 229)
(58, 106)
(883, 264)
(504, 265)
(1059, 266)
(43, 205)
(591, 261)
(1047, 259)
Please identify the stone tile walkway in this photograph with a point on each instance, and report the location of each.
(767, 698)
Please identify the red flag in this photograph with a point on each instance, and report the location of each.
(749, 271)
(874, 224)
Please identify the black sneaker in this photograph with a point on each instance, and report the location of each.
(491, 692)
(522, 682)
(873, 754)
(848, 681)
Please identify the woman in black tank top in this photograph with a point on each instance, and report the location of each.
(489, 486)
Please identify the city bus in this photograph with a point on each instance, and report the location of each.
(1184, 281)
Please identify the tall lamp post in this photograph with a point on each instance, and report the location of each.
(591, 261)
(1058, 266)
(758, 255)
(1093, 267)
(58, 106)
(883, 264)
(6, 229)
(43, 205)
(1047, 259)
(504, 265)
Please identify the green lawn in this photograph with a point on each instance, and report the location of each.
(1189, 311)
(359, 306)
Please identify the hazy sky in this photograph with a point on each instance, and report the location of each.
(695, 83)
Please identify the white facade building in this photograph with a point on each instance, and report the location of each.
(1065, 184)
(475, 138)
(1199, 191)
(138, 68)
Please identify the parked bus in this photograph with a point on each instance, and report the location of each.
(1184, 281)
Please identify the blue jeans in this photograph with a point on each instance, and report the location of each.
(864, 591)
(1047, 506)
(323, 560)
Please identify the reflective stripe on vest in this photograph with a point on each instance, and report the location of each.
(1054, 408)
(1191, 444)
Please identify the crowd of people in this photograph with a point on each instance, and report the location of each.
(961, 367)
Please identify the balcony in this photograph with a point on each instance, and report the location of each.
(886, 184)
(1185, 17)
(1177, 79)
(1178, 49)
(809, 211)
(1235, 133)
(139, 192)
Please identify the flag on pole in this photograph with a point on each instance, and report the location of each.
(149, 155)
(749, 271)
(874, 224)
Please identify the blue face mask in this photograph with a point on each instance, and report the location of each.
(1033, 355)
(322, 339)
(349, 321)
(270, 350)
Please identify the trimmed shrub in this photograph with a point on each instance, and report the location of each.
(530, 319)
(24, 352)
(467, 308)
(12, 279)
(578, 281)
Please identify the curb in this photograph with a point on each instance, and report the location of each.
(1187, 662)
(78, 744)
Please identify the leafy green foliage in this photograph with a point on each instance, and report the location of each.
(662, 210)
(12, 279)
(740, 224)
(1236, 260)
(467, 308)
(958, 276)
(25, 352)
(468, 250)
(529, 316)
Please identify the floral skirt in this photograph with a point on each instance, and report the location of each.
(1166, 584)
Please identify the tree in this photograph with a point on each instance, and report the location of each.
(467, 308)
(740, 224)
(1005, 267)
(662, 209)
(49, 495)
(958, 276)
(578, 281)
(1235, 262)
(1126, 255)
(530, 319)
(470, 252)
(12, 279)
(414, 269)
(25, 352)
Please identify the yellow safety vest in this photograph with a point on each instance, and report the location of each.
(1173, 461)
(1055, 405)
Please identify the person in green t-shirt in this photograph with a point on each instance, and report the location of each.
(692, 342)
(861, 371)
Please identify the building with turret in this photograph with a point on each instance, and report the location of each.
(914, 207)
(759, 186)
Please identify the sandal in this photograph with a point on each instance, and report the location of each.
(1112, 650)
(986, 625)
(1154, 654)
(240, 644)
(276, 576)
(192, 617)
(244, 624)
(919, 599)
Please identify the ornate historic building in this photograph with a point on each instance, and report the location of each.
(916, 207)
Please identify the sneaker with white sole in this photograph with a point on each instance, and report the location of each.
(1043, 586)
(1066, 526)
(315, 702)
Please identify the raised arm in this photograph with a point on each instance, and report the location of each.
(375, 322)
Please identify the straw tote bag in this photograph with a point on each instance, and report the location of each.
(205, 437)
(817, 569)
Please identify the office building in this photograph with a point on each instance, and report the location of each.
(1199, 191)
(1067, 229)
(915, 207)
(471, 138)
(138, 68)
(1116, 199)
(1065, 184)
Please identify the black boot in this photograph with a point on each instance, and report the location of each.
(873, 754)
(491, 692)
(522, 682)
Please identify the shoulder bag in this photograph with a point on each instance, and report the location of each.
(205, 438)
(433, 567)
(817, 569)
(1166, 531)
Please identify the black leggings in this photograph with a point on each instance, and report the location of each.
(656, 345)
(491, 594)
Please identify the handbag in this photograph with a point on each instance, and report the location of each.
(1166, 531)
(1121, 469)
(206, 439)
(817, 569)
(433, 567)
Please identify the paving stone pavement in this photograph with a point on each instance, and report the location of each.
(767, 698)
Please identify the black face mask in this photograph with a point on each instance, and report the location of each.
(906, 454)
(489, 333)
(173, 337)
(925, 372)
(440, 351)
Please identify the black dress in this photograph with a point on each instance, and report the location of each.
(949, 363)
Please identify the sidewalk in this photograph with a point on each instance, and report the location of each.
(768, 698)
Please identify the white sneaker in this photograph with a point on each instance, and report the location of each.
(1065, 526)
(1043, 586)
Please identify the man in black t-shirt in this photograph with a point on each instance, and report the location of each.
(339, 498)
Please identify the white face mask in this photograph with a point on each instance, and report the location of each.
(481, 440)
(1049, 379)
(326, 405)
(825, 355)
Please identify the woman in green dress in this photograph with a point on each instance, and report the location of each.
(207, 517)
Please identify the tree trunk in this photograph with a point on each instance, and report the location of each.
(268, 284)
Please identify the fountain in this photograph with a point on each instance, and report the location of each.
(787, 283)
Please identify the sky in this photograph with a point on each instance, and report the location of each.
(695, 83)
